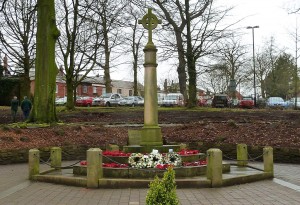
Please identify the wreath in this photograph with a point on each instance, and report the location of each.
(135, 160)
(154, 160)
(173, 158)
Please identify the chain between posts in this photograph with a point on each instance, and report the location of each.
(62, 167)
(250, 158)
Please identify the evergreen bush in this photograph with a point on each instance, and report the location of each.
(163, 192)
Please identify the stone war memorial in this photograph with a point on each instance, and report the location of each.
(145, 156)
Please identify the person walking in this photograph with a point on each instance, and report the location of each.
(14, 107)
(26, 107)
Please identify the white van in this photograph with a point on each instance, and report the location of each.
(173, 99)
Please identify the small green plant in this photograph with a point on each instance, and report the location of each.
(5, 128)
(17, 131)
(59, 132)
(163, 192)
(232, 123)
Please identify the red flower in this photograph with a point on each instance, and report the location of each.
(163, 166)
(83, 163)
(115, 153)
(188, 152)
(196, 163)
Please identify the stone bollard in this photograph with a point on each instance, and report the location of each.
(55, 156)
(214, 167)
(242, 154)
(34, 162)
(268, 160)
(94, 167)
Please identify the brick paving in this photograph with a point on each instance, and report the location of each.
(16, 189)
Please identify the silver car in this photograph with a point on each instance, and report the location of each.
(132, 101)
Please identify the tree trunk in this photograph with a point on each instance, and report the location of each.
(190, 60)
(70, 94)
(181, 66)
(135, 67)
(107, 78)
(46, 69)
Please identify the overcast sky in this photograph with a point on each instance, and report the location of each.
(270, 15)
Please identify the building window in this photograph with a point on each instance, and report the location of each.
(94, 89)
(130, 92)
(84, 89)
(119, 91)
(103, 91)
(56, 91)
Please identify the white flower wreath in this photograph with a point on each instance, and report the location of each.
(138, 160)
(135, 160)
(155, 159)
(173, 158)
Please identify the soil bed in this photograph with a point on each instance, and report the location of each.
(276, 128)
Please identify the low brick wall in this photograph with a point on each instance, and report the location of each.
(74, 152)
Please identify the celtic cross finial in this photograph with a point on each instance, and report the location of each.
(149, 22)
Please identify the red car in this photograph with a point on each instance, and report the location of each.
(246, 102)
(84, 101)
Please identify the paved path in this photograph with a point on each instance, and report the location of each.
(16, 189)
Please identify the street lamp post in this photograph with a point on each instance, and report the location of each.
(254, 84)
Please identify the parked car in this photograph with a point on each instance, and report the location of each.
(96, 101)
(110, 99)
(61, 101)
(261, 102)
(221, 100)
(84, 101)
(276, 102)
(246, 102)
(173, 99)
(132, 101)
(160, 97)
(292, 101)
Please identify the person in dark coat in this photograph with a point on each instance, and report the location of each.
(26, 106)
(14, 107)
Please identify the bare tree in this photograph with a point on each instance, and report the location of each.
(108, 15)
(232, 55)
(265, 61)
(78, 45)
(17, 35)
(132, 40)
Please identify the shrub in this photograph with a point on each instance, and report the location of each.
(163, 192)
